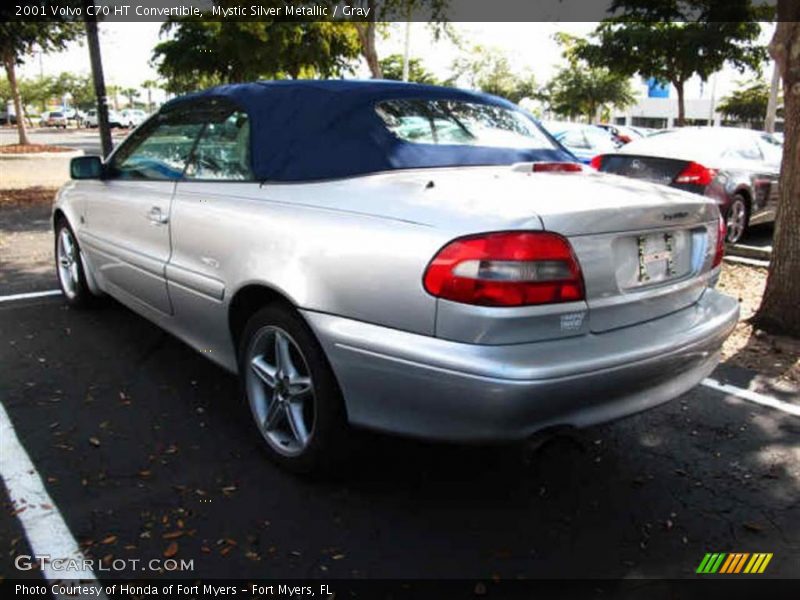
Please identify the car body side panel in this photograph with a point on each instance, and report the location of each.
(127, 249)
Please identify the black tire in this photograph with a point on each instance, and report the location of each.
(76, 291)
(329, 439)
(737, 219)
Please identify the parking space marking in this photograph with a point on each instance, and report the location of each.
(47, 533)
(752, 396)
(28, 295)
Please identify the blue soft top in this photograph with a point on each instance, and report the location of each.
(310, 130)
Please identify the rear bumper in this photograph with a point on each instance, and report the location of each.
(428, 387)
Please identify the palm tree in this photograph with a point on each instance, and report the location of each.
(114, 91)
(150, 85)
(131, 94)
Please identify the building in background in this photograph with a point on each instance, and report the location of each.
(658, 107)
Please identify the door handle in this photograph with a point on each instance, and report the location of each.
(156, 217)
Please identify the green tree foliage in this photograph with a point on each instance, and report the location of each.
(392, 68)
(131, 94)
(748, 104)
(37, 92)
(489, 70)
(580, 89)
(114, 91)
(673, 40)
(19, 39)
(202, 53)
(79, 87)
(149, 85)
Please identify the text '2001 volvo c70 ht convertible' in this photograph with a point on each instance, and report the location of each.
(411, 259)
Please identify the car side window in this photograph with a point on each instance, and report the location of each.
(574, 139)
(223, 150)
(158, 151)
(599, 140)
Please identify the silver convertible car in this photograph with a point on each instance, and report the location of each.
(412, 259)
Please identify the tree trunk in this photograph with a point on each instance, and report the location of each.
(772, 103)
(11, 71)
(681, 103)
(780, 311)
(366, 35)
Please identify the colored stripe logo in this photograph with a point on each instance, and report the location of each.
(734, 563)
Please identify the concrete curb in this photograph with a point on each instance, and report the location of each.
(755, 252)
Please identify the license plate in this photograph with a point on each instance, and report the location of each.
(656, 253)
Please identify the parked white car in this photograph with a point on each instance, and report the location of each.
(54, 118)
(114, 119)
(133, 117)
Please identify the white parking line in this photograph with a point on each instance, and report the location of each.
(29, 295)
(752, 396)
(47, 533)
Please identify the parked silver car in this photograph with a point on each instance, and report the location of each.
(739, 168)
(412, 259)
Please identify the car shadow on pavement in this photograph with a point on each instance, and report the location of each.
(143, 442)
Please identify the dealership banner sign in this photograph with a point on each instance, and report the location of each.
(369, 10)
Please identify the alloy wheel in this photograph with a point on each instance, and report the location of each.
(737, 220)
(280, 391)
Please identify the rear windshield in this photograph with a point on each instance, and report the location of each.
(459, 123)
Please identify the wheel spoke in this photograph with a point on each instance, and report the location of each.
(299, 386)
(265, 371)
(294, 416)
(283, 358)
(275, 412)
(67, 241)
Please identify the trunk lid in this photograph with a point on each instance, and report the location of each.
(645, 251)
(649, 168)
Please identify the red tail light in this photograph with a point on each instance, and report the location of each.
(722, 231)
(506, 269)
(597, 162)
(556, 167)
(696, 174)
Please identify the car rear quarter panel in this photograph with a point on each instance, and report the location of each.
(228, 236)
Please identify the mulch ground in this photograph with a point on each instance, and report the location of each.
(32, 148)
(27, 196)
(774, 356)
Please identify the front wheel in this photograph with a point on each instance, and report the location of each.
(292, 392)
(69, 268)
(736, 221)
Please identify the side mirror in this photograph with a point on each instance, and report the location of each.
(86, 167)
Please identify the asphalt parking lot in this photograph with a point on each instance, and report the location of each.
(146, 453)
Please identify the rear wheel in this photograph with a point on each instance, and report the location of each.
(292, 393)
(736, 221)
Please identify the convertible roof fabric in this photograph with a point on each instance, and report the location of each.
(310, 130)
